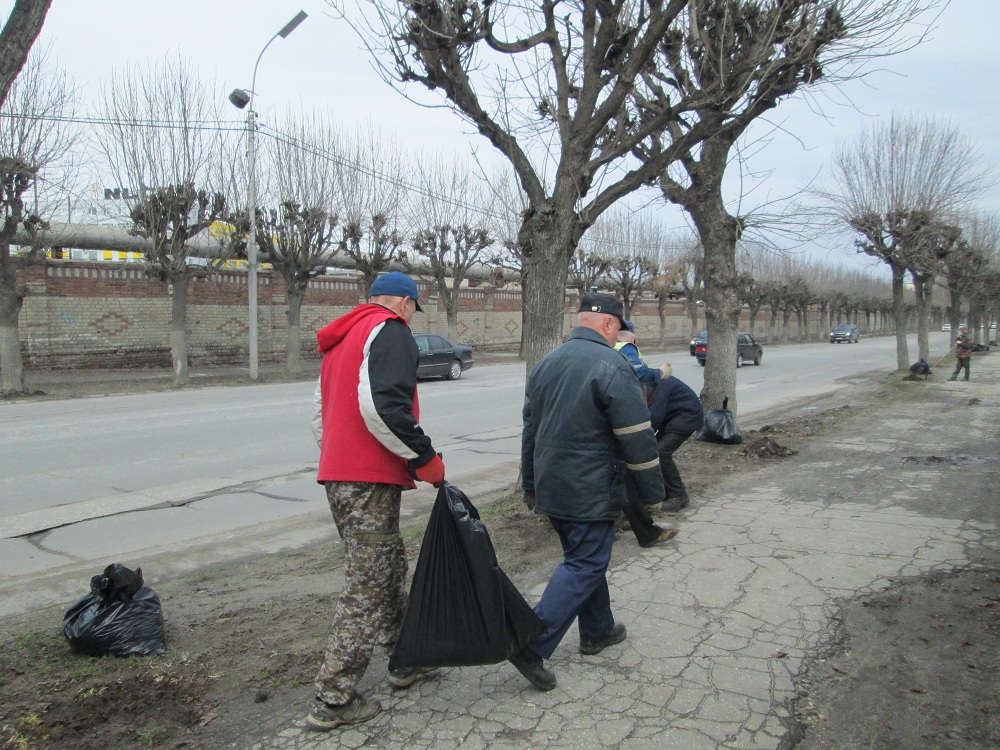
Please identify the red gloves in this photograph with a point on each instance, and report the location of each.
(431, 472)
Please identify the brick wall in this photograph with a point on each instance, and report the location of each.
(110, 315)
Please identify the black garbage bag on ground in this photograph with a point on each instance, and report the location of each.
(119, 616)
(720, 426)
(920, 367)
(463, 610)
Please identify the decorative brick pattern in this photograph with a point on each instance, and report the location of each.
(113, 323)
(111, 315)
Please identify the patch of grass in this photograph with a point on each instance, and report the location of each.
(413, 534)
(33, 644)
(82, 669)
(152, 736)
(507, 503)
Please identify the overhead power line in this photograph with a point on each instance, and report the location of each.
(334, 158)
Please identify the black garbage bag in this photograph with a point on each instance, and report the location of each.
(119, 616)
(720, 426)
(463, 610)
(920, 367)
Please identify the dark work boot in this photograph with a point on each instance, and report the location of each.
(954, 376)
(617, 634)
(530, 665)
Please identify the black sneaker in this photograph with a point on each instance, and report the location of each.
(403, 678)
(324, 717)
(617, 635)
(533, 668)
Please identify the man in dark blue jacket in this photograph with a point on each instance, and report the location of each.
(676, 413)
(585, 424)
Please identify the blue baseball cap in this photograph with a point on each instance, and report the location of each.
(630, 326)
(396, 284)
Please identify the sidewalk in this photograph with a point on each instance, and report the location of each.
(721, 623)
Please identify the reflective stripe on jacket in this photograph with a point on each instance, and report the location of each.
(585, 421)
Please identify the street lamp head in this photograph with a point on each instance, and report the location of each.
(293, 24)
(239, 98)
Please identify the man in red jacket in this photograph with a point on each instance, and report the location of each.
(371, 448)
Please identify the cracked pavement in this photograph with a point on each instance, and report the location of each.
(722, 620)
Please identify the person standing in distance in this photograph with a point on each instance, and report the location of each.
(963, 353)
(371, 448)
(585, 425)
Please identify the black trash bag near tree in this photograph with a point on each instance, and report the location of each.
(119, 616)
(720, 426)
(463, 610)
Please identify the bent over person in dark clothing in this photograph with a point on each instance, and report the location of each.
(676, 413)
(585, 424)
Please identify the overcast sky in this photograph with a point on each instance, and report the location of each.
(321, 66)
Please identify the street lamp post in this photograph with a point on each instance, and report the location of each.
(240, 98)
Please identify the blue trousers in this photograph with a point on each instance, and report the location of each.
(578, 587)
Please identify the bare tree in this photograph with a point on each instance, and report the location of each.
(163, 146)
(735, 61)
(686, 263)
(633, 243)
(588, 265)
(971, 271)
(452, 233)
(35, 142)
(891, 179)
(372, 191)
(373, 245)
(565, 93)
(929, 243)
(298, 234)
(667, 286)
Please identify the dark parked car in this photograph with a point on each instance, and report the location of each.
(846, 332)
(747, 350)
(700, 338)
(442, 358)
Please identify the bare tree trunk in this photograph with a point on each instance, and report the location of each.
(899, 318)
(719, 232)
(922, 287)
(661, 310)
(10, 359)
(10, 340)
(543, 301)
(178, 329)
(546, 272)
(451, 313)
(19, 34)
(693, 314)
(293, 341)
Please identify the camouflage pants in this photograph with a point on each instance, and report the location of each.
(372, 603)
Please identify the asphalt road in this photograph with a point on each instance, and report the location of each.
(246, 455)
